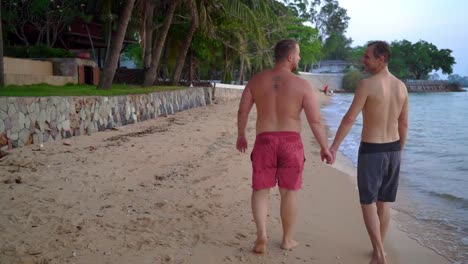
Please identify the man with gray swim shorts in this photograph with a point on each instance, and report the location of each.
(383, 100)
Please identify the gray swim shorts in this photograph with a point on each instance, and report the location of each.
(378, 171)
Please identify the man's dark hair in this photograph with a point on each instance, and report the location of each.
(283, 48)
(381, 48)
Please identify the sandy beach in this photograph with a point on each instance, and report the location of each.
(175, 190)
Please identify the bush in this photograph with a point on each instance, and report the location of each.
(455, 87)
(40, 51)
(351, 80)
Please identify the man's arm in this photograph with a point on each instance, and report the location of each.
(360, 97)
(312, 111)
(403, 123)
(245, 106)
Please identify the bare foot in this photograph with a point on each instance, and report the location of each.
(378, 259)
(289, 245)
(260, 246)
(372, 254)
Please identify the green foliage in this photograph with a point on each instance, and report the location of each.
(351, 80)
(332, 19)
(40, 51)
(46, 17)
(326, 15)
(308, 40)
(356, 55)
(337, 47)
(416, 61)
(133, 52)
(79, 90)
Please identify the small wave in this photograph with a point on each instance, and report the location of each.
(449, 197)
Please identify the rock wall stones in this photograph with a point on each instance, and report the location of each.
(34, 120)
(226, 92)
(423, 86)
(319, 80)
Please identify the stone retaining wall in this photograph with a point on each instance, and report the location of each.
(34, 120)
(319, 80)
(226, 92)
(423, 86)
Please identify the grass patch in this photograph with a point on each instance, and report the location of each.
(41, 90)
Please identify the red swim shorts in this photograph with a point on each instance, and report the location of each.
(277, 157)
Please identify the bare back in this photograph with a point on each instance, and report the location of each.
(386, 97)
(278, 96)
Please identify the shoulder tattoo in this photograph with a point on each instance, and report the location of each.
(276, 83)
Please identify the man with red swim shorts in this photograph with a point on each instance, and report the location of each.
(278, 154)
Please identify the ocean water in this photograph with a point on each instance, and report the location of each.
(432, 200)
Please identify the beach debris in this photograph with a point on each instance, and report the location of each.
(34, 252)
(150, 130)
(37, 149)
(66, 143)
(3, 154)
(167, 258)
(159, 178)
(91, 148)
(15, 179)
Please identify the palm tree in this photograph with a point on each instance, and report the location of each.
(2, 81)
(158, 45)
(208, 16)
(105, 82)
(194, 22)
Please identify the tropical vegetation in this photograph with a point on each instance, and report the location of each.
(180, 39)
(191, 40)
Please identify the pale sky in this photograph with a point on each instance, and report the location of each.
(443, 23)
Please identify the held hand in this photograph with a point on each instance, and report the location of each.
(326, 155)
(241, 144)
(333, 152)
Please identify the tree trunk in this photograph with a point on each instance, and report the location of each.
(151, 72)
(143, 32)
(241, 71)
(183, 53)
(105, 82)
(226, 65)
(165, 58)
(91, 41)
(109, 36)
(191, 66)
(149, 30)
(233, 68)
(2, 77)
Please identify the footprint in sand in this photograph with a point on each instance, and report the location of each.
(241, 236)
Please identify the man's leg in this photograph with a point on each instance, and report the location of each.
(372, 222)
(260, 214)
(288, 212)
(383, 210)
